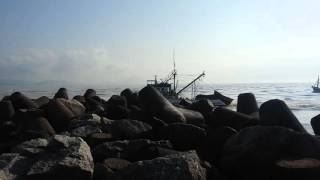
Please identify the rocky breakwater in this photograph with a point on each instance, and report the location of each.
(141, 135)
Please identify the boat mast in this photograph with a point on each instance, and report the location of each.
(318, 81)
(174, 72)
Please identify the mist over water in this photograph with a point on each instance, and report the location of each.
(298, 96)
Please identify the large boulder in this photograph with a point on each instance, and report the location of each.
(6, 111)
(192, 117)
(275, 112)
(179, 166)
(55, 158)
(257, 152)
(315, 123)
(132, 150)
(157, 105)
(20, 101)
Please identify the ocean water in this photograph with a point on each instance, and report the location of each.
(298, 96)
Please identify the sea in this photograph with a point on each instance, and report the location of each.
(298, 96)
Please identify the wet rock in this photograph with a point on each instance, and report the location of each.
(226, 117)
(20, 101)
(247, 104)
(182, 136)
(276, 113)
(54, 158)
(174, 167)
(255, 151)
(157, 105)
(62, 93)
(126, 149)
(6, 111)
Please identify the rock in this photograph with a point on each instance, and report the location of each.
(226, 117)
(41, 101)
(157, 105)
(59, 115)
(254, 152)
(102, 172)
(247, 104)
(184, 166)
(85, 131)
(192, 117)
(62, 93)
(99, 138)
(131, 97)
(118, 112)
(211, 148)
(182, 136)
(94, 106)
(276, 113)
(89, 93)
(80, 99)
(116, 164)
(126, 149)
(127, 128)
(20, 101)
(315, 123)
(204, 106)
(6, 111)
(116, 100)
(75, 106)
(186, 103)
(54, 158)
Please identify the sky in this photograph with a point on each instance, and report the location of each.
(116, 42)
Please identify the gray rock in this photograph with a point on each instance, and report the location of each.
(85, 131)
(54, 158)
(179, 166)
(126, 149)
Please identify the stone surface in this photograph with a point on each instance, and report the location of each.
(181, 166)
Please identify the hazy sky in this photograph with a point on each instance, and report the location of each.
(129, 41)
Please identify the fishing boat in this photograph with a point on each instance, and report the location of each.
(315, 87)
(168, 87)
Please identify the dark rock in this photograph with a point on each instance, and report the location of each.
(20, 101)
(99, 138)
(116, 164)
(118, 112)
(204, 106)
(59, 115)
(75, 106)
(81, 99)
(192, 117)
(226, 117)
(213, 143)
(157, 105)
(62, 93)
(276, 113)
(186, 103)
(116, 100)
(41, 101)
(182, 136)
(247, 104)
(6, 111)
(102, 172)
(94, 106)
(85, 131)
(155, 152)
(180, 166)
(89, 93)
(55, 158)
(254, 152)
(315, 123)
(126, 149)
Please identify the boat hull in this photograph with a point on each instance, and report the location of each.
(316, 89)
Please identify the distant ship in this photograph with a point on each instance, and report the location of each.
(315, 87)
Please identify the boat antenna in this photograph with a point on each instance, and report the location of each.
(174, 72)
